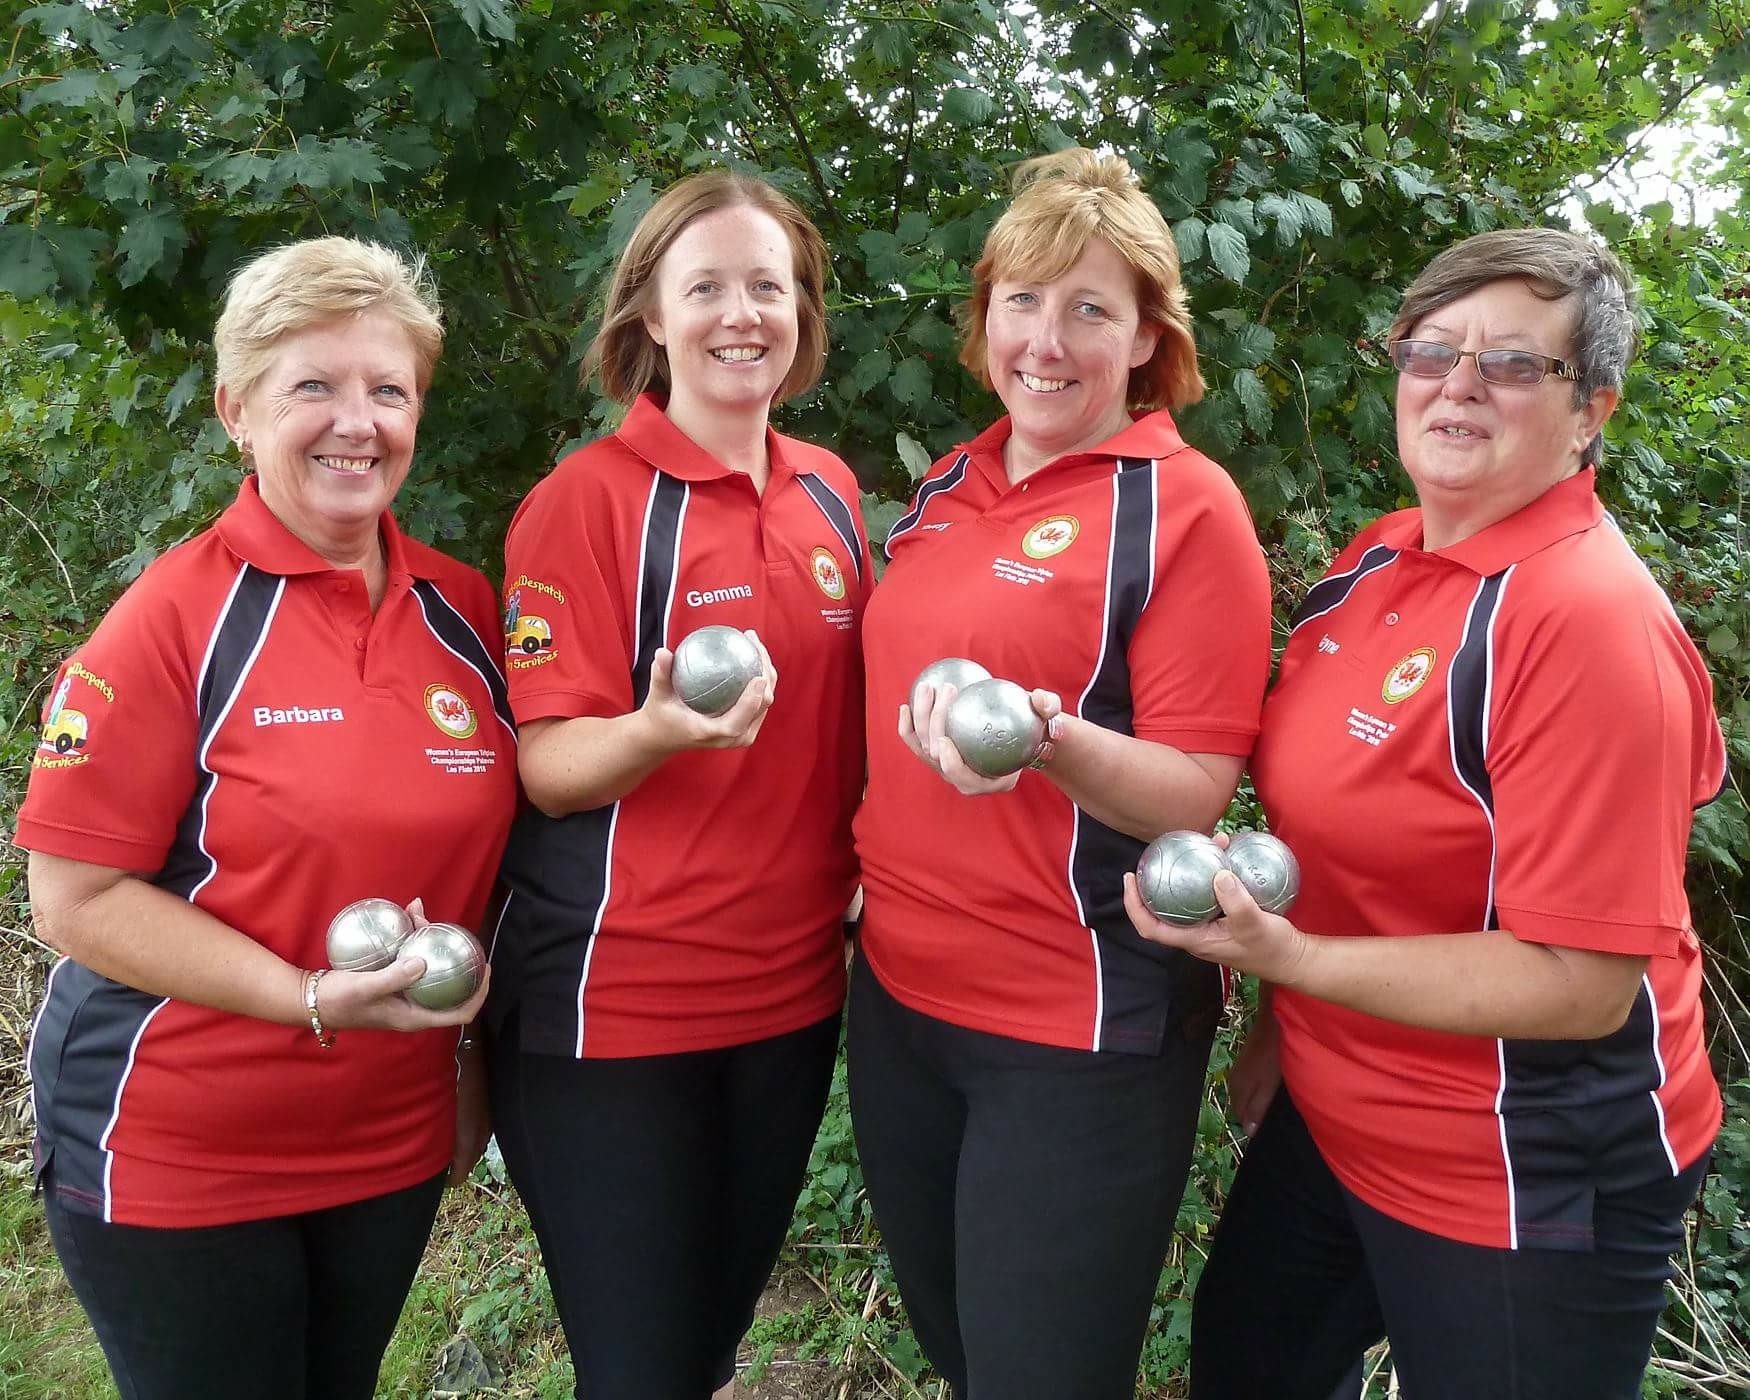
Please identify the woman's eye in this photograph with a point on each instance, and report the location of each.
(311, 386)
(1021, 298)
(392, 391)
(702, 288)
(770, 288)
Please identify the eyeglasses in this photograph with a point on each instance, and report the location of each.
(1429, 359)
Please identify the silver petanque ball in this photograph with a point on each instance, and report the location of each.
(1176, 877)
(993, 726)
(956, 671)
(713, 666)
(367, 934)
(454, 964)
(1266, 867)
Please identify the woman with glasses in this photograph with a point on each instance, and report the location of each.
(1485, 744)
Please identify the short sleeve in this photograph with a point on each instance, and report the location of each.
(1595, 761)
(567, 615)
(1200, 655)
(115, 761)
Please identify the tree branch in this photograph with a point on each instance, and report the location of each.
(1634, 147)
(544, 350)
(789, 108)
(904, 167)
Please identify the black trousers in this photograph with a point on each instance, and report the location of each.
(1026, 1194)
(299, 1307)
(661, 1188)
(1304, 1276)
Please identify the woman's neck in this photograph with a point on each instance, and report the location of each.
(1022, 455)
(735, 438)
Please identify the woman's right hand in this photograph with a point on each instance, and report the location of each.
(676, 726)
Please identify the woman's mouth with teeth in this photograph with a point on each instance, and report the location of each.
(740, 354)
(1450, 431)
(1043, 386)
(351, 466)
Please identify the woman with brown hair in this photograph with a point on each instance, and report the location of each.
(1025, 1070)
(669, 967)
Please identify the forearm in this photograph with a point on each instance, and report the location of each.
(144, 937)
(1136, 786)
(1487, 984)
(577, 765)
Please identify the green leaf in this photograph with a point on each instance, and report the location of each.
(592, 194)
(187, 385)
(968, 107)
(490, 15)
(1188, 233)
(75, 251)
(871, 370)
(1377, 143)
(1722, 641)
(912, 453)
(130, 180)
(914, 227)
(911, 381)
(153, 238)
(1228, 251)
(26, 267)
(1351, 192)
(1254, 400)
(1252, 344)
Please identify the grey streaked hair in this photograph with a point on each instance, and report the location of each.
(1558, 264)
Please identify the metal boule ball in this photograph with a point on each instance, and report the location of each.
(712, 666)
(956, 671)
(1176, 877)
(1266, 867)
(367, 934)
(454, 965)
(993, 725)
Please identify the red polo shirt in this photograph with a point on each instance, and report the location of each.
(1127, 579)
(702, 909)
(244, 732)
(1509, 733)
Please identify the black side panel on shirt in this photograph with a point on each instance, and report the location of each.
(76, 1090)
(239, 635)
(661, 557)
(454, 631)
(1580, 1121)
(1330, 591)
(1143, 987)
(557, 871)
(947, 481)
(838, 515)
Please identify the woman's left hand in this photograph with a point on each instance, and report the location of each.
(925, 734)
(473, 1114)
(1246, 938)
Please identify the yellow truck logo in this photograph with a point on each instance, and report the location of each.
(66, 730)
(529, 634)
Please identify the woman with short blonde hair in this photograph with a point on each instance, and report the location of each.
(1025, 1071)
(242, 1148)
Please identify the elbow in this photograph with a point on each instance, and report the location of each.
(547, 799)
(1607, 1015)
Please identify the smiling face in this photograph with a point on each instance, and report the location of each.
(1477, 452)
(330, 426)
(1059, 353)
(723, 307)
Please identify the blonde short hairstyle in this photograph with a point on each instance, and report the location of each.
(1061, 202)
(623, 353)
(291, 288)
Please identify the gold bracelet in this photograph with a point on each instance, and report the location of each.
(323, 1038)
